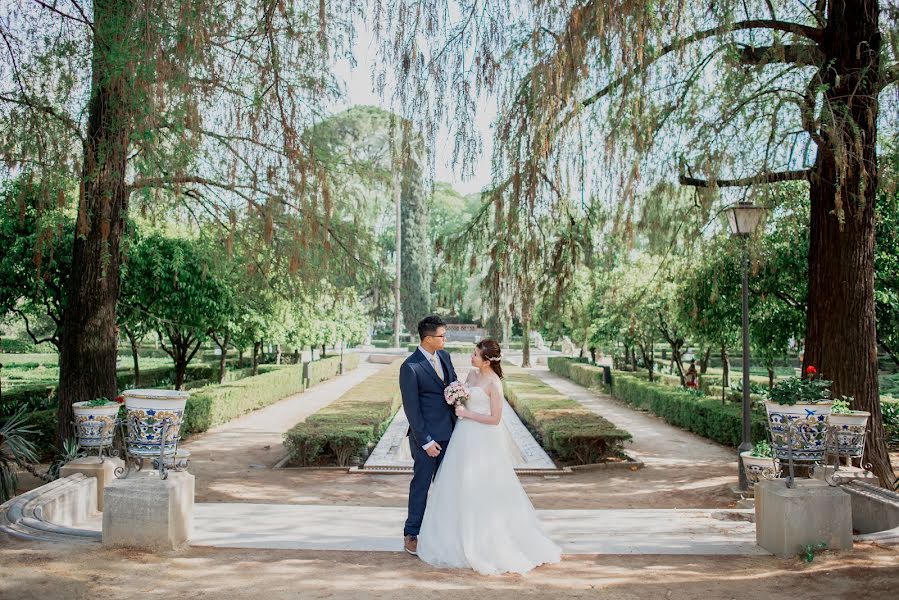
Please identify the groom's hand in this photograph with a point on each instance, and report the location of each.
(434, 450)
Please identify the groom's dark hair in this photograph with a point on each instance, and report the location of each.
(429, 326)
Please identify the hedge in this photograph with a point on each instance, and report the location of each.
(704, 416)
(216, 404)
(326, 368)
(348, 427)
(581, 373)
(570, 432)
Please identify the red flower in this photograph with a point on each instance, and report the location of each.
(811, 370)
(120, 399)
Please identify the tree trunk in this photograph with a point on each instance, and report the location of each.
(180, 369)
(296, 356)
(257, 346)
(725, 372)
(324, 351)
(134, 356)
(398, 207)
(633, 358)
(87, 349)
(648, 353)
(223, 348)
(526, 343)
(770, 377)
(704, 362)
(841, 338)
(240, 358)
(278, 354)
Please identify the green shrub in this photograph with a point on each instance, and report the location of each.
(584, 374)
(569, 432)
(704, 416)
(348, 427)
(216, 404)
(326, 368)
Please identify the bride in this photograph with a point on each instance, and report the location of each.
(478, 515)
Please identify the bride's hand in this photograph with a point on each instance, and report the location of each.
(461, 411)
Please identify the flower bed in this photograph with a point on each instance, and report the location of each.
(350, 426)
(569, 432)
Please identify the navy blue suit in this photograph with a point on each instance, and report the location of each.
(431, 419)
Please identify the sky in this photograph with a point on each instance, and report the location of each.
(360, 90)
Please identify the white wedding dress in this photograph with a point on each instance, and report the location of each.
(478, 516)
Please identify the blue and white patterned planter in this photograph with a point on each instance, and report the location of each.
(849, 432)
(95, 425)
(758, 468)
(146, 412)
(809, 435)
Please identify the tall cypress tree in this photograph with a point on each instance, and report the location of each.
(415, 289)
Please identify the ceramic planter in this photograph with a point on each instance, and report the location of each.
(849, 431)
(758, 468)
(809, 430)
(147, 411)
(95, 425)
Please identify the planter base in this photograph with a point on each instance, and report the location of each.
(812, 512)
(91, 466)
(148, 512)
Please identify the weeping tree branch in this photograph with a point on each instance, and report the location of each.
(766, 177)
(812, 33)
(799, 54)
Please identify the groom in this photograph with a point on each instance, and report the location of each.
(423, 377)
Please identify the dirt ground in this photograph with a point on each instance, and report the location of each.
(45, 572)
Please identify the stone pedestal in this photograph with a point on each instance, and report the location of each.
(148, 512)
(91, 466)
(811, 512)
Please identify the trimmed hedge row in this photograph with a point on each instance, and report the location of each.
(216, 404)
(581, 373)
(568, 431)
(326, 368)
(348, 427)
(704, 416)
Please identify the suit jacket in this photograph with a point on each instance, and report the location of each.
(430, 417)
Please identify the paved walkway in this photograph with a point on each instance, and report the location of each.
(255, 440)
(655, 442)
(374, 528)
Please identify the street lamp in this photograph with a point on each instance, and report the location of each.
(744, 218)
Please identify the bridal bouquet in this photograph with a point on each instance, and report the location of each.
(456, 394)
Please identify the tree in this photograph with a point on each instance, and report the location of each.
(415, 249)
(171, 282)
(198, 106)
(725, 95)
(886, 273)
(36, 259)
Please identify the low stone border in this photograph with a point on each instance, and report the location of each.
(46, 513)
(631, 464)
(871, 504)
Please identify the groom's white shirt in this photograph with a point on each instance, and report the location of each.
(438, 366)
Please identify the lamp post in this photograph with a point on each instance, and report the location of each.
(744, 218)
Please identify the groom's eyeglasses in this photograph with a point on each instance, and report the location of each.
(443, 336)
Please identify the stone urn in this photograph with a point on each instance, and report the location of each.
(848, 429)
(759, 467)
(95, 425)
(808, 423)
(150, 413)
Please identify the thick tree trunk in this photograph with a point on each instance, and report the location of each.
(841, 338)
(87, 349)
(324, 351)
(770, 377)
(278, 354)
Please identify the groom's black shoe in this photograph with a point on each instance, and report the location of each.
(410, 544)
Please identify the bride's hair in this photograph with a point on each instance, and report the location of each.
(490, 351)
